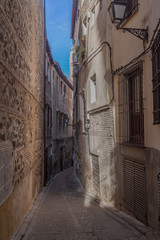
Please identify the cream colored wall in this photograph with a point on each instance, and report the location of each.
(100, 63)
(71, 64)
(127, 47)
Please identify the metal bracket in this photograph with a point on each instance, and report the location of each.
(138, 32)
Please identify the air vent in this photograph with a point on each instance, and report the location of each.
(135, 197)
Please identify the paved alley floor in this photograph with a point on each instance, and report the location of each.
(61, 212)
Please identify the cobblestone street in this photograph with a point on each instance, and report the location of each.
(61, 212)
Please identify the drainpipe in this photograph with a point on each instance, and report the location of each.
(44, 133)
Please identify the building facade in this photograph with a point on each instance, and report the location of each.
(48, 114)
(21, 110)
(94, 114)
(137, 106)
(117, 105)
(62, 117)
(59, 107)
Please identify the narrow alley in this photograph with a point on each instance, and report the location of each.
(63, 212)
(79, 119)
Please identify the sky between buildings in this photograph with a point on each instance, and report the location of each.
(58, 23)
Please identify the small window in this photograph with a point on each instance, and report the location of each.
(49, 74)
(84, 26)
(131, 113)
(93, 89)
(53, 74)
(64, 90)
(60, 119)
(156, 78)
(101, 4)
(50, 117)
(47, 115)
(57, 83)
(46, 67)
(57, 118)
(61, 87)
(93, 16)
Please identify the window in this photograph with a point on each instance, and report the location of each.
(131, 7)
(46, 67)
(57, 118)
(93, 88)
(81, 112)
(131, 116)
(49, 116)
(93, 16)
(101, 4)
(57, 84)
(61, 119)
(49, 74)
(64, 90)
(61, 87)
(84, 26)
(156, 78)
(53, 74)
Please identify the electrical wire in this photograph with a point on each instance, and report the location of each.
(140, 55)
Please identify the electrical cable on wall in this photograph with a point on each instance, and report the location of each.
(142, 54)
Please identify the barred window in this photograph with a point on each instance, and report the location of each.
(131, 7)
(156, 78)
(57, 118)
(131, 115)
(64, 90)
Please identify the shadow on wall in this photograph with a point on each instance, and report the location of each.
(107, 195)
(100, 168)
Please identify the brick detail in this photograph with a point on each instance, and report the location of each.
(102, 143)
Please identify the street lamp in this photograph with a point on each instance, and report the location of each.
(66, 119)
(117, 11)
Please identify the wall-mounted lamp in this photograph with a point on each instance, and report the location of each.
(117, 11)
(66, 119)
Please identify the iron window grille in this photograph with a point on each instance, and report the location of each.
(131, 112)
(64, 90)
(50, 117)
(57, 118)
(156, 78)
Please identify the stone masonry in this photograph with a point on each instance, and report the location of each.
(21, 109)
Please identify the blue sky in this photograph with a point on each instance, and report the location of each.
(58, 23)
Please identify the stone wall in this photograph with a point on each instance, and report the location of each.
(21, 108)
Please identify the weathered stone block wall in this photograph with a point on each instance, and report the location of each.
(21, 106)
